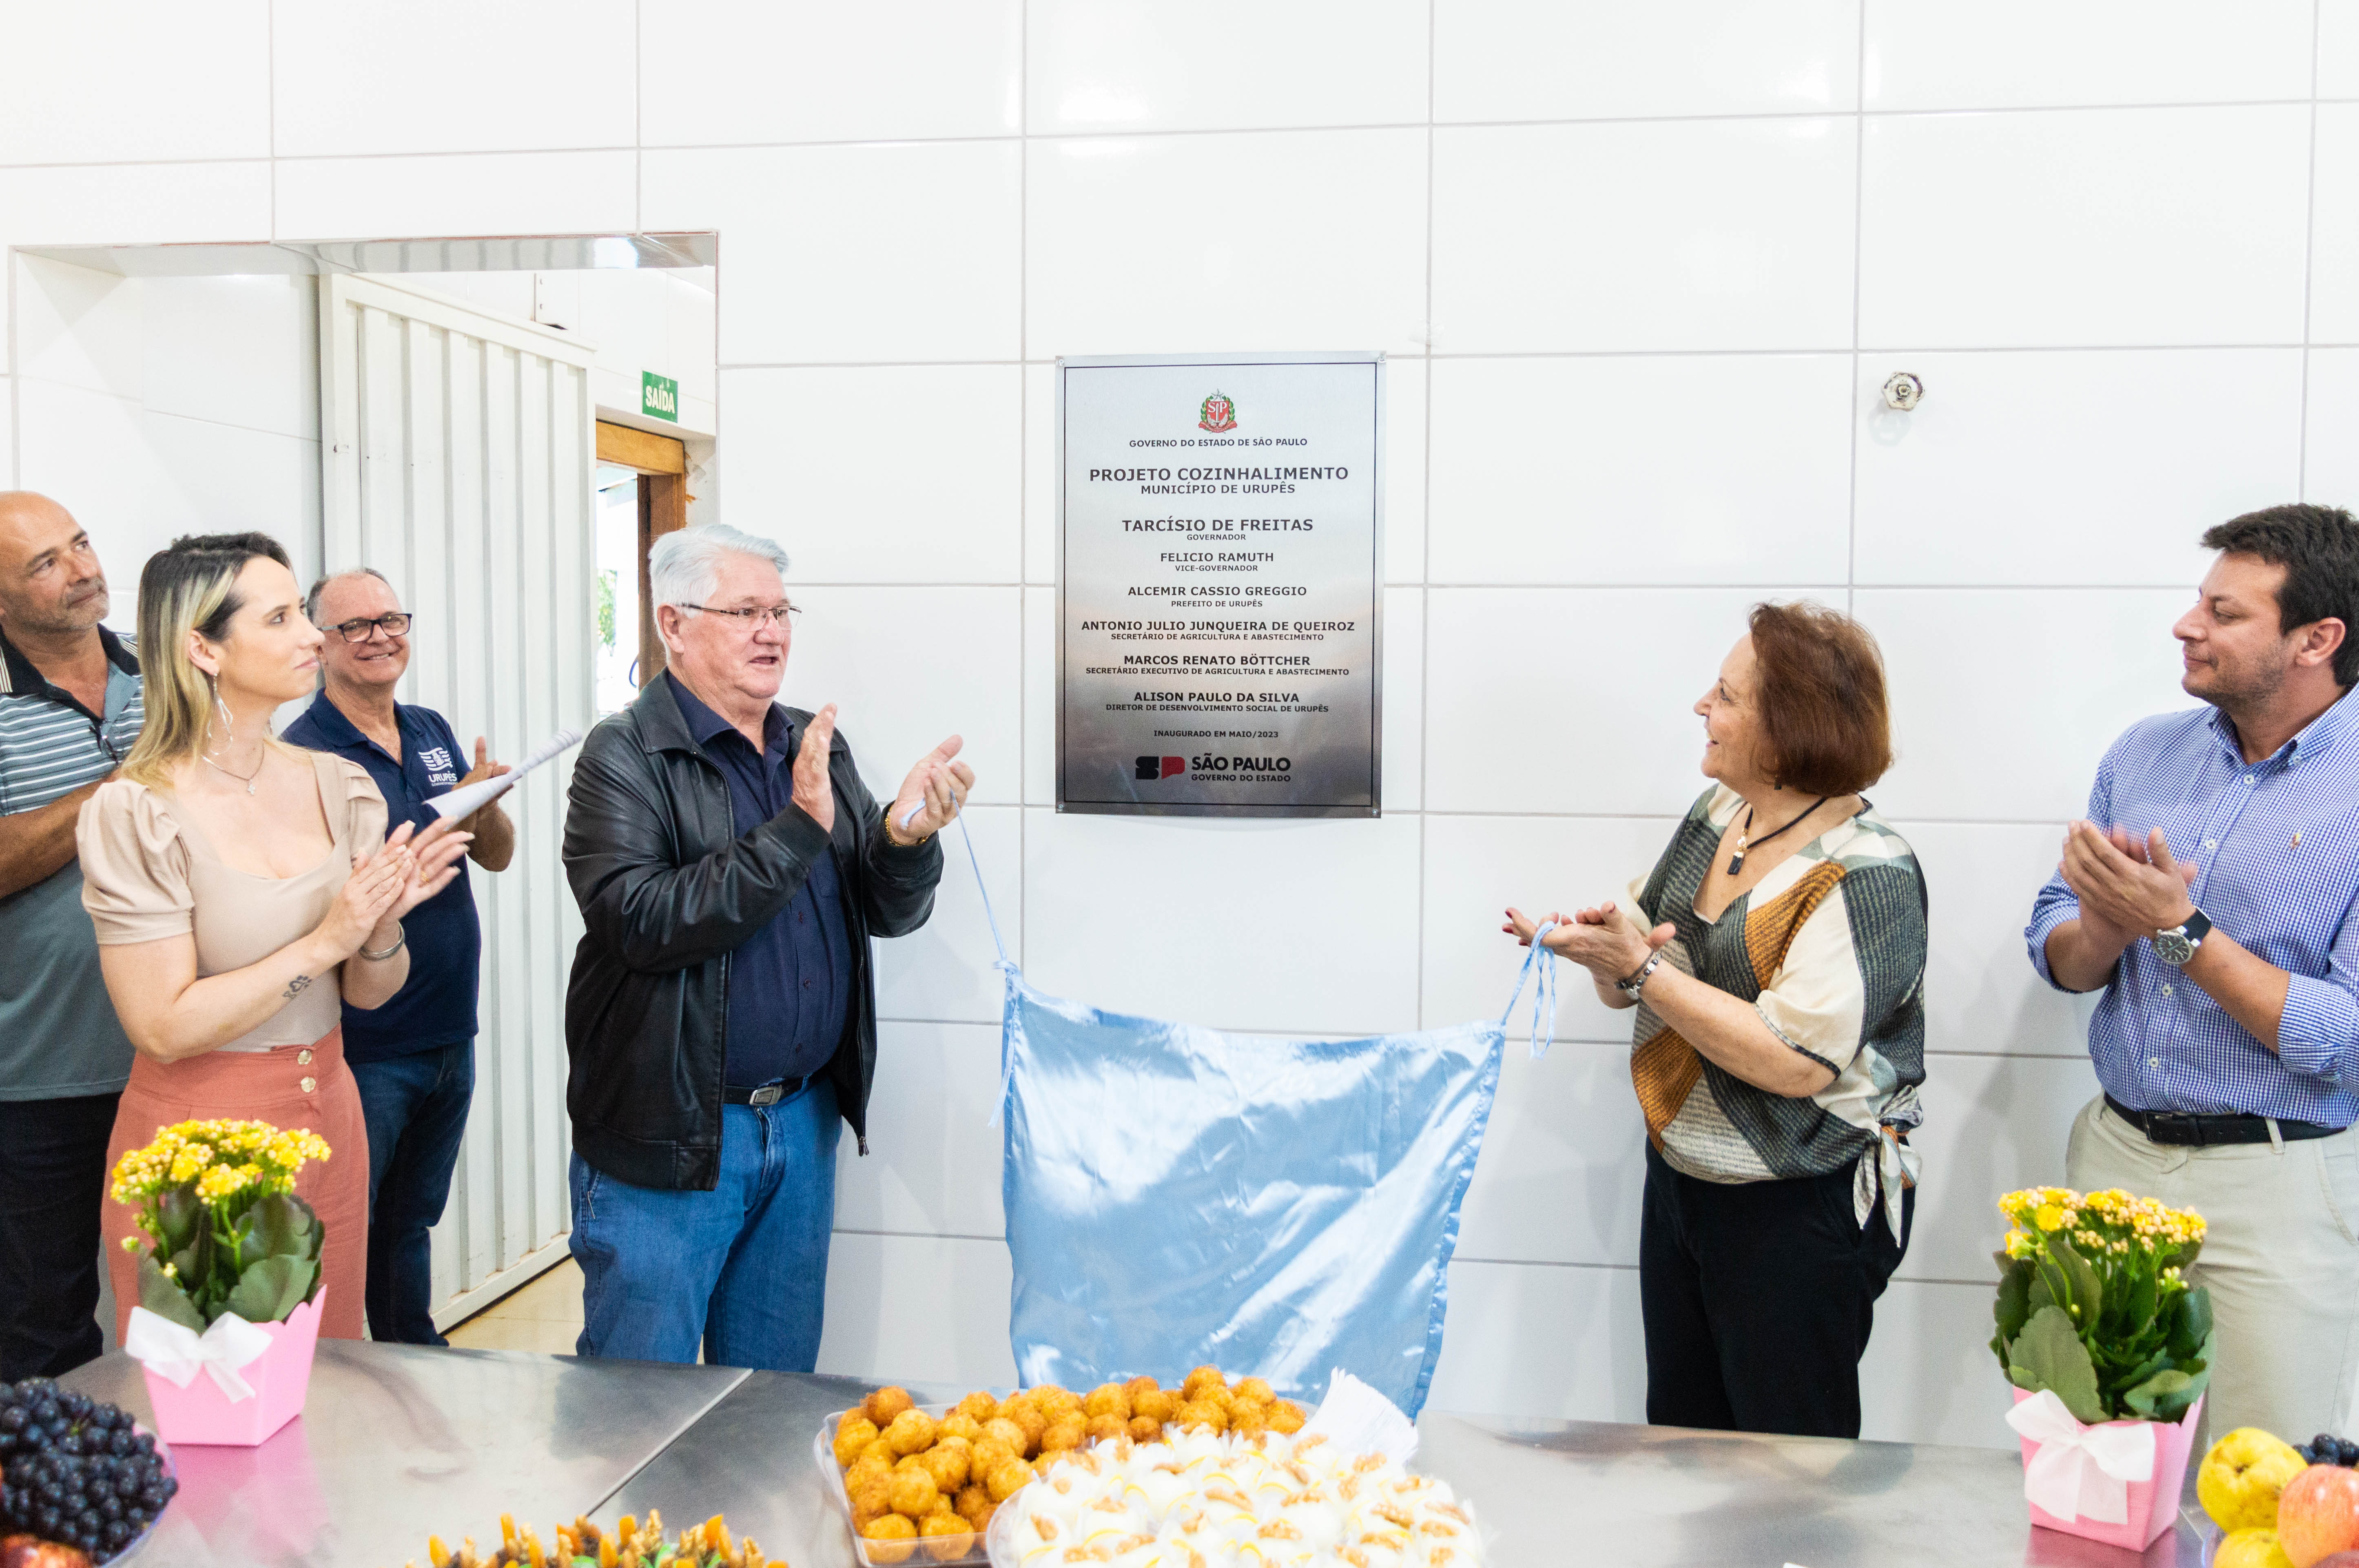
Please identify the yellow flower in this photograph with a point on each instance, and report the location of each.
(221, 1182)
(2049, 1217)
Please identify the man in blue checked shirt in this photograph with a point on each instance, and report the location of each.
(2210, 895)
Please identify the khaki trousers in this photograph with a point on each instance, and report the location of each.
(2280, 1256)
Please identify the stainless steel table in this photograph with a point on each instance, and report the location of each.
(1661, 1497)
(398, 1443)
(750, 1457)
(395, 1441)
(1551, 1492)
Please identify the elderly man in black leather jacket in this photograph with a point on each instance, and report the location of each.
(721, 1018)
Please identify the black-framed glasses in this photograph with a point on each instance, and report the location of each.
(751, 620)
(391, 625)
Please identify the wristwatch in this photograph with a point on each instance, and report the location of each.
(2178, 945)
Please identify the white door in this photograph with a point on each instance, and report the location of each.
(458, 456)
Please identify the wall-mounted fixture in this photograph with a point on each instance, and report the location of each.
(1903, 391)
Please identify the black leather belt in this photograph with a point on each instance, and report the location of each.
(771, 1094)
(2191, 1130)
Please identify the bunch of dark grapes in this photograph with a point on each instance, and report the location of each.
(2328, 1449)
(75, 1470)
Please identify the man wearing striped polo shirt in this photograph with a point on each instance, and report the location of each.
(69, 711)
(2210, 895)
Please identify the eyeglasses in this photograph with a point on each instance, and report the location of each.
(391, 625)
(751, 620)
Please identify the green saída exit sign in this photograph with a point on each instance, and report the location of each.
(658, 396)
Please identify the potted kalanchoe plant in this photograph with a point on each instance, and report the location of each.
(2109, 1349)
(229, 1276)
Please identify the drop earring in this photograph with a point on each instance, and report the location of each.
(222, 708)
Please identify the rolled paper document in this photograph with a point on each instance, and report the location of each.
(468, 799)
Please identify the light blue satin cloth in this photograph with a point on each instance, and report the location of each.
(1179, 1196)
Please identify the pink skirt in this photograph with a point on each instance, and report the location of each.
(287, 1086)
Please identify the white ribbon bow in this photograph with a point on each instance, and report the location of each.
(2082, 1471)
(175, 1353)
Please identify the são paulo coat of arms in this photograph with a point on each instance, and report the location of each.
(1217, 415)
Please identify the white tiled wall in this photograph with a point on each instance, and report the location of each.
(1641, 269)
(165, 405)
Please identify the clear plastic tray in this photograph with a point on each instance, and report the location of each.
(917, 1553)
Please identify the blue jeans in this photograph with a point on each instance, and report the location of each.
(416, 1107)
(742, 1269)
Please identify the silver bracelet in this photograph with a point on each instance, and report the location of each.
(399, 936)
(1630, 985)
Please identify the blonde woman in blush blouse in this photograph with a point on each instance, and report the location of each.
(242, 889)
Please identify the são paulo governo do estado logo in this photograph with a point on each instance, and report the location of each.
(1217, 415)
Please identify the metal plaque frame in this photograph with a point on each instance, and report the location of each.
(1068, 798)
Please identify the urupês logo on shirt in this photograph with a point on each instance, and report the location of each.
(439, 766)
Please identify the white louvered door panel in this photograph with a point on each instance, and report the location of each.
(458, 456)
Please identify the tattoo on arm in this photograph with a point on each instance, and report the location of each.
(295, 987)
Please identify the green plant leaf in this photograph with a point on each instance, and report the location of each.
(2138, 1311)
(2049, 1351)
(2088, 1291)
(161, 1294)
(2190, 1321)
(2167, 1394)
(271, 1289)
(2013, 1308)
(280, 1224)
(180, 1215)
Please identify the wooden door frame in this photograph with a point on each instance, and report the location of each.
(661, 462)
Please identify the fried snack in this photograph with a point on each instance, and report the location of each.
(990, 1455)
(1202, 1377)
(1004, 1431)
(1286, 1417)
(912, 1431)
(1106, 1428)
(1249, 1419)
(978, 1407)
(1107, 1398)
(1033, 1424)
(1145, 1429)
(946, 1535)
(1201, 1413)
(1140, 1385)
(880, 1450)
(891, 1539)
(957, 1426)
(1154, 1404)
(913, 1493)
(883, 1405)
(854, 1435)
(872, 1496)
(974, 1499)
(1008, 1479)
(1067, 1433)
(1256, 1388)
(947, 1463)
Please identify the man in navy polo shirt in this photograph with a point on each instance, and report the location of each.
(414, 1058)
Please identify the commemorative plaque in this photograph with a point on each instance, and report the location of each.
(1219, 584)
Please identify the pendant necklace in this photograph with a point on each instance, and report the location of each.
(245, 779)
(1736, 861)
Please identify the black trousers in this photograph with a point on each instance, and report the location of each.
(1758, 1298)
(52, 1173)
